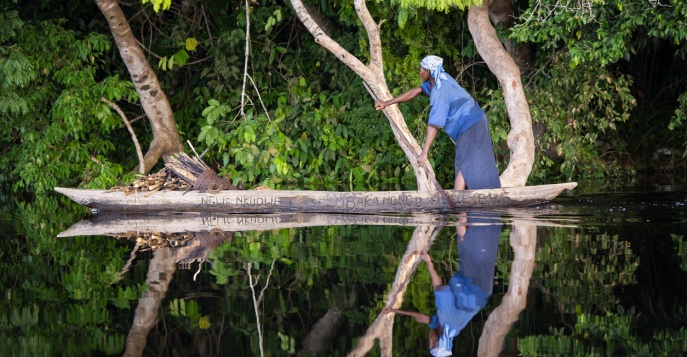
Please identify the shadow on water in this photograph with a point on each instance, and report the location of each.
(591, 274)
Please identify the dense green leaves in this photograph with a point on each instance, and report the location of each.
(57, 129)
(287, 119)
(438, 5)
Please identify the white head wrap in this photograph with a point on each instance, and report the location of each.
(435, 66)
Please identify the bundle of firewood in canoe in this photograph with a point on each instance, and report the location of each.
(181, 173)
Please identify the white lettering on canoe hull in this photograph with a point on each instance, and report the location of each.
(361, 202)
(240, 201)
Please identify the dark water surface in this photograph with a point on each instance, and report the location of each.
(596, 274)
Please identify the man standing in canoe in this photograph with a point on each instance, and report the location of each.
(453, 109)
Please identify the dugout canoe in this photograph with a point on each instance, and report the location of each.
(275, 201)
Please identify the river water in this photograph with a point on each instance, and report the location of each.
(586, 274)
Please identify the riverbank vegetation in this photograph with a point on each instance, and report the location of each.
(606, 84)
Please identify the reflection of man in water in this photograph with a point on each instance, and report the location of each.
(468, 289)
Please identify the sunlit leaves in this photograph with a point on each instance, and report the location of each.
(604, 335)
(680, 119)
(274, 19)
(438, 5)
(288, 343)
(12, 104)
(191, 44)
(159, 4)
(179, 59)
(601, 32)
(16, 70)
(204, 323)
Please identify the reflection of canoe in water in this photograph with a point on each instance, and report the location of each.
(113, 223)
(264, 201)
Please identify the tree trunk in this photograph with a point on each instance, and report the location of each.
(501, 12)
(160, 272)
(373, 75)
(523, 240)
(382, 327)
(319, 339)
(520, 138)
(153, 99)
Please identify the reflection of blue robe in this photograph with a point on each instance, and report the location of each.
(457, 303)
(470, 287)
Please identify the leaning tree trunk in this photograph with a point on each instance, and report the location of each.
(319, 339)
(502, 13)
(153, 99)
(373, 75)
(382, 327)
(520, 138)
(160, 272)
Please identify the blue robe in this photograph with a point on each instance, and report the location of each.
(454, 110)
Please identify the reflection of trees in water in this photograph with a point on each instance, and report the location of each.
(71, 285)
(318, 282)
(58, 295)
(619, 291)
(660, 291)
(320, 275)
(576, 269)
(170, 250)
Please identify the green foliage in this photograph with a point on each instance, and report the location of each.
(576, 116)
(159, 4)
(306, 120)
(604, 335)
(321, 147)
(607, 31)
(439, 5)
(644, 40)
(66, 136)
(680, 119)
(681, 249)
(590, 268)
(57, 299)
(9, 24)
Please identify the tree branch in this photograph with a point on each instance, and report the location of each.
(260, 98)
(325, 41)
(245, 62)
(373, 75)
(141, 162)
(258, 301)
(375, 42)
(127, 266)
(381, 328)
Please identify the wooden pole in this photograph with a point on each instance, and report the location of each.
(431, 177)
